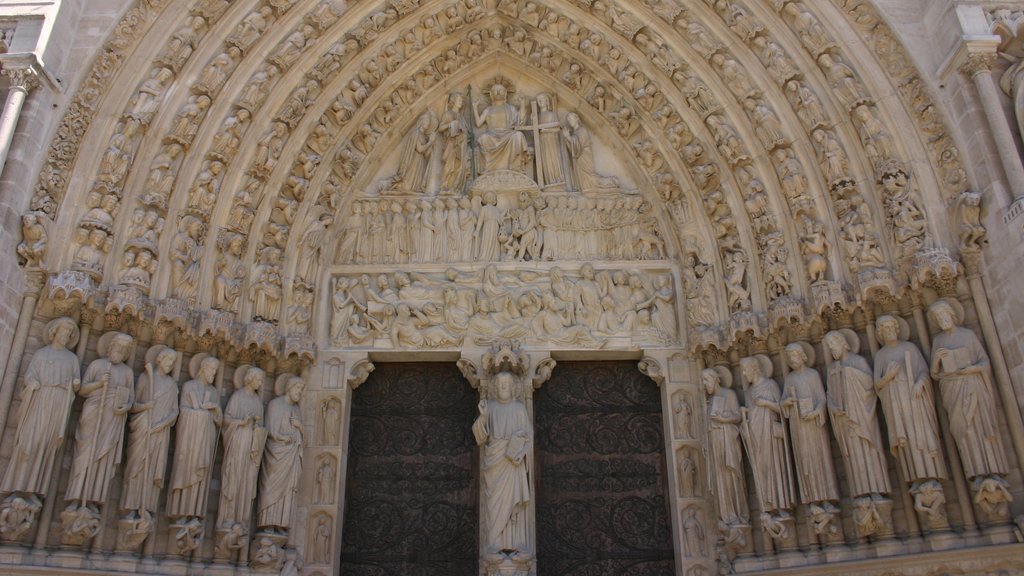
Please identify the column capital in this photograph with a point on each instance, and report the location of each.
(25, 78)
(978, 63)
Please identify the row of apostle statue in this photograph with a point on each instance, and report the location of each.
(262, 447)
(785, 432)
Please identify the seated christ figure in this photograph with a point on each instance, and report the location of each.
(502, 147)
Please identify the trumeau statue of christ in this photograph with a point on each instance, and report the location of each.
(502, 146)
(504, 430)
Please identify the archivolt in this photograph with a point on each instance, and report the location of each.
(702, 147)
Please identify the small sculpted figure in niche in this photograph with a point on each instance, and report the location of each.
(767, 444)
(244, 439)
(34, 239)
(505, 433)
(282, 460)
(815, 247)
(853, 409)
(50, 384)
(682, 407)
(725, 454)
(902, 382)
(694, 542)
(687, 474)
(502, 146)
(231, 268)
(972, 231)
(326, 475)
(154, 412)
(804, 405)
(109, 392)
(961, 366)
(322, 540)
(199, 417)
(186, 253)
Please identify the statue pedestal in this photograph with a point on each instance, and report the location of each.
(514, 564)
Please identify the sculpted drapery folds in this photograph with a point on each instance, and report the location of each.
(195, 440)
(454, 132)
(505, 432)
(154, 412)
(803, 404)
(853, 410)
(109, 391)
(244, 439)
(961, 366)
(903, 384)
(725, 453)
(51, 381)
(414, 170)
(501, 145)
(579, 143)
(766, 436)
(282, 459)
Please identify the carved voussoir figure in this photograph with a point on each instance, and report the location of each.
(50, 384)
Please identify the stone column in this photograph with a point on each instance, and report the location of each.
(22, 80)
(34, 282)
(979, 68)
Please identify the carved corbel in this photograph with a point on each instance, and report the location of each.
(542, 372)
(651, 368)
(359, 372)
(469, 371)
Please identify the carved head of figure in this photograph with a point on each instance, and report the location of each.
(294, 389)
(253, 380)
(543, 102)
(62, 332)
(208, 367)
(836, 345)
(120, 345)
(755, 368)
(711, 381)
(165, 360)
(798, 355)
(946, 314)
(587, 271)
(490, 199)
(573, 120)
(498, 92)
(888, 328)
(505, 387)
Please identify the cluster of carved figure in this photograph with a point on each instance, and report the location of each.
(543, 228)
(594, 62)
(129, 419)
(785, 431)
(415, 310)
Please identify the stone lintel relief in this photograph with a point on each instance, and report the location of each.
(545, 304)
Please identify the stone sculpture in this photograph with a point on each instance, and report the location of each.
(282, 459)
(502, 146)
(725, 453)
(767, 442)
(961, 367)
(154, 412)
(244, 439)
(505, 432)
(853, 411)
(50, 383)
(109, 391)
(804, 405)
(199, 418)
(902, 382)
